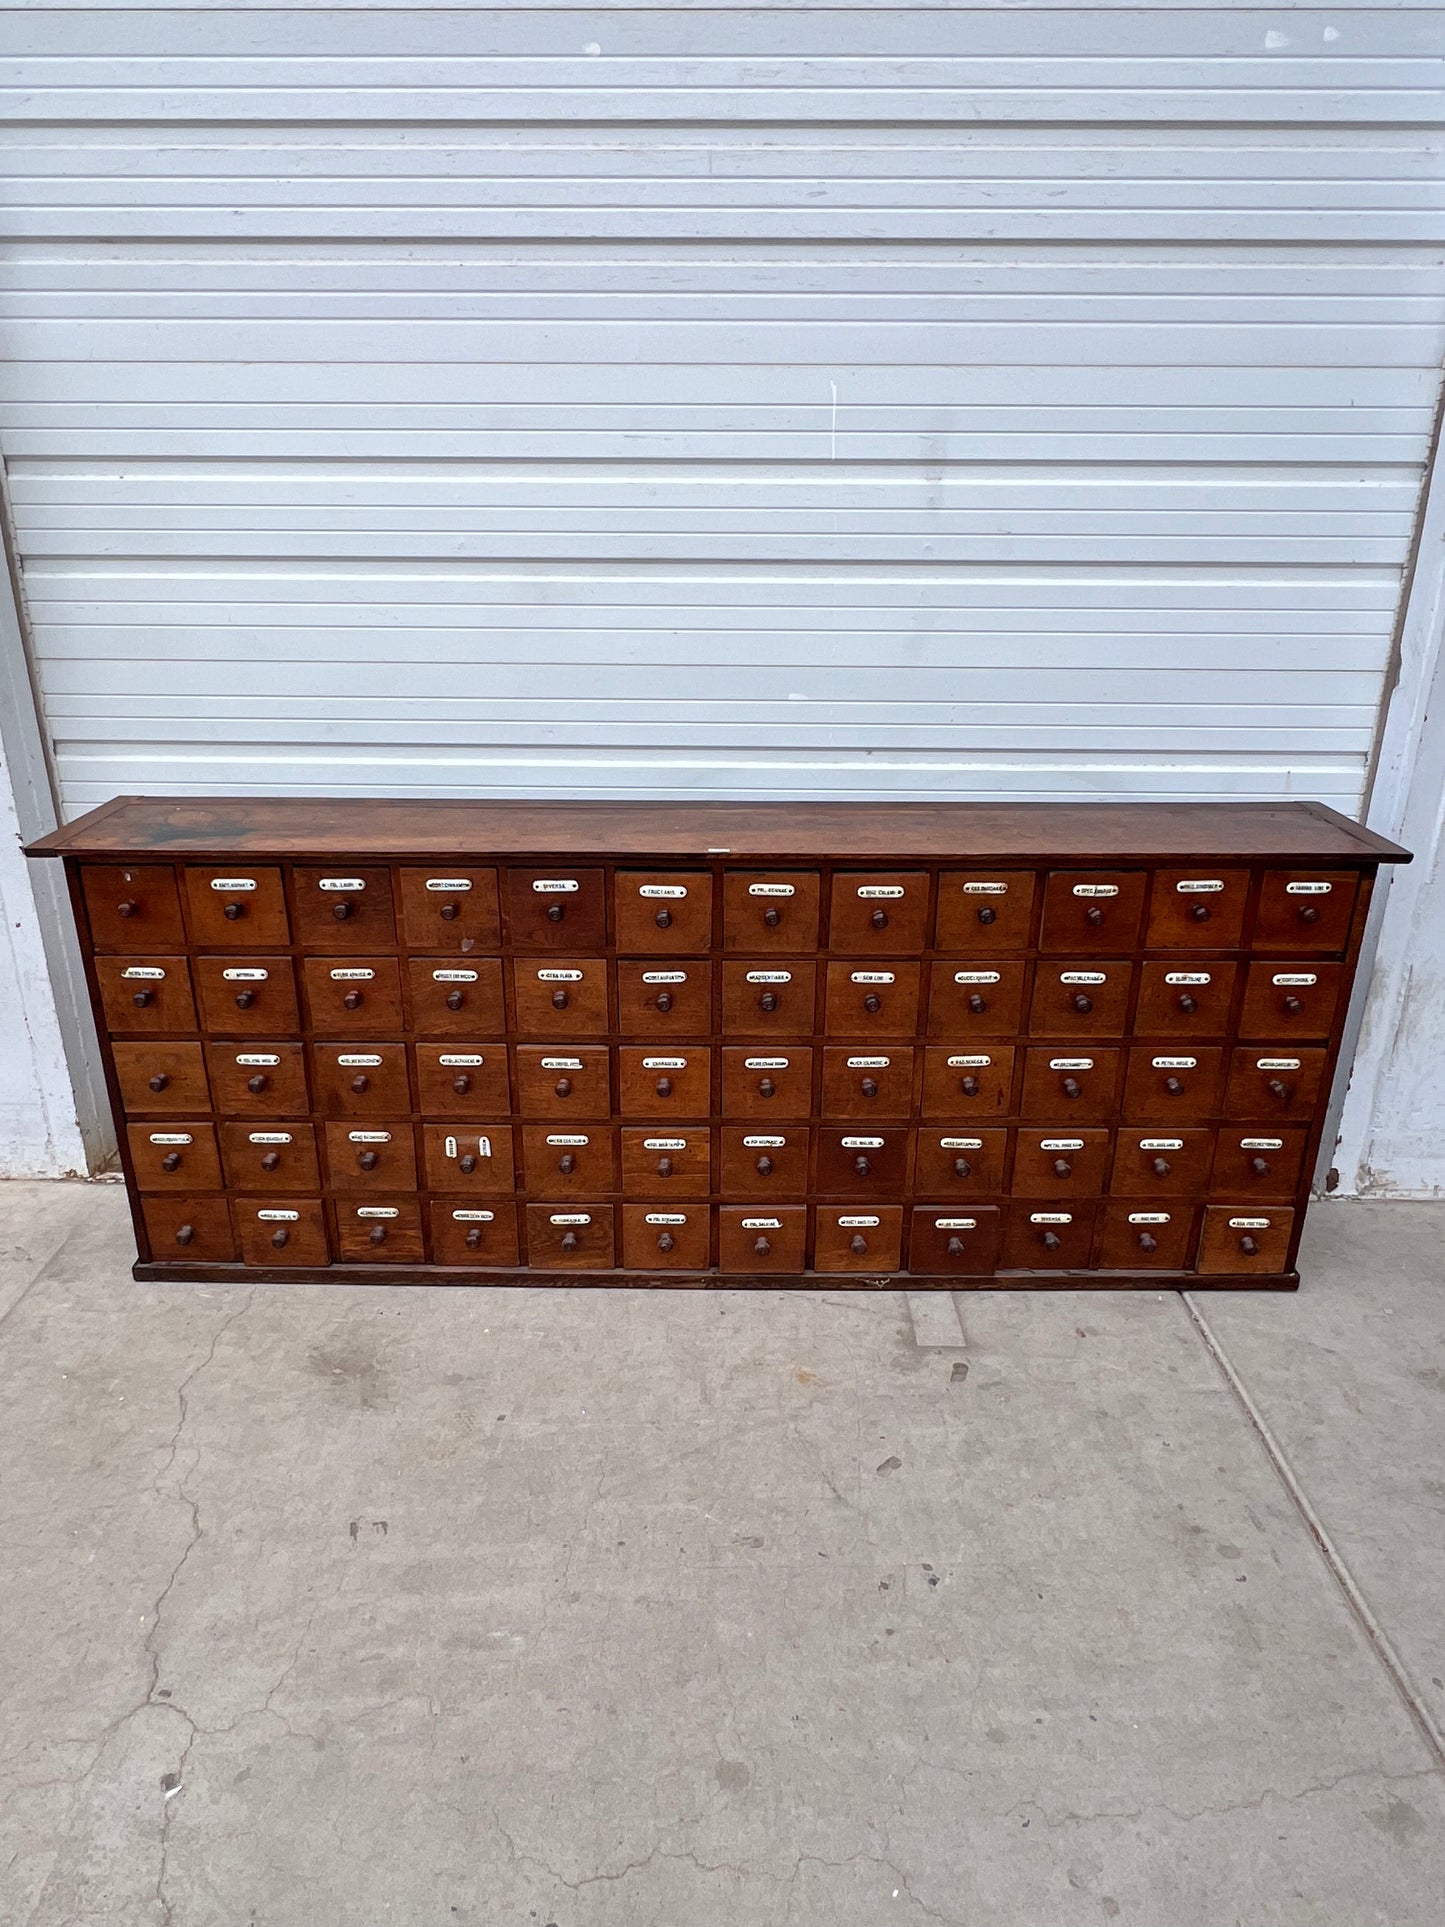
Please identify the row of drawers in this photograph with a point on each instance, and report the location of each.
(734, 1238)
(1095, 1085)
(496, 1160)
(587, 997)
(670, 912)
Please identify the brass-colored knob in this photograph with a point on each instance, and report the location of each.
(1051, 1241)
(879, 920)
(570, 1241)
(474, 1232)
(955, 1247)
(1174, 1086)
(467, 1163)
(255, 1085)
(978, 1005)
(987, 913)
(1279, 1090)
(664, 1001)
(129, 908)
(1082, 1003)
(185, 1233)
(560, 1000)
(869, 1087)
(377, 1234)
(563, 1087)
(861, 1165)
(1248, 1246)
(1293, 1006)
(666, 1241)
(764, 1167)
(1187, 1003)
(772, 917)
(159, 1081)
(663, 1087)
(1072, 1087)
(663, 920)
(1260, 1167)
(1062, 1168)
(1161, 1167)
(962, 1168)
(280, 1236)
(768, 1001)
(664, 1167)
(142, 998)
(567, 1164)
(461, 1083)
(1147, 1243)
(1199, 912)
(361, 1082)
(873, 1003)
(341, 909)
(233, 912)
(456, 999)
(766, 1087)
(171, 1161)
(450, 913)
(969, 1086)
(271, 1161)
(353, 1000)
(368, 1160)
(857, 1244)
(555, 914)
(245, 999)
(761, 1247)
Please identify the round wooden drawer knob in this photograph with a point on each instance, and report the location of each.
(986, 914)
(1147, 1243)
(761, 1247)
(142, 998)
(978, 1005)
(664, 1167)
(271, 1161)
(1248, 1246)
(129, 908)
(1174, 1087)
(962, 1168)
(1199, 912)
(955, 1247)
(1293, 1006)
(879, 920)
(1094, 915)
(461, 1084)
(969, 1086)
(663, 920)
(1279, 1090)
(1260, 1167)
(768, 1001)
(560, 1000)
(361, 1082)
(1051, 1241)
(185, 1233)
(555, 914)
(869, 1087)
(1072, 1087)
(563, 1087)
(664, 1001)
(1062, 1168)
(255, 1085)
(873, 1003)
(1082, 1003)
(171, 1161)
(245, 999)
(772, 917)
(377, 1234)
(666, 1240)
(341, 910)
(368, 1160)
(862, 1167)
(353, 1000)
(456, 999)
(857, 1244)
(280, 1236)
(567, 1164)
(1308, 914)
(764, 1167)
(570, 1241)
(766, 1087)
(467, 1163)
(1187, 1003)
(233, 912)
(663, 1087)
(450, 913)
(474, 1237)
(159, 1081)
(1161, 1167)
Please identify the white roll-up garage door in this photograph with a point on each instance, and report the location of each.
(852, 400)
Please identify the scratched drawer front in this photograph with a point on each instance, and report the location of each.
(466, 1233)
(762, 1237)
(571, 1161)
(1136, 1236)
(570, 1080)
(560, 997)
(449, 910)
(985, 910)
(1202, 908)
(234, 907)
(1061, 1163)
(771, 912)
(967, 1085)
(1080, 999)
(1244, 1237)
(867, 1084)
(175, 1157)
(354, 996)
(1048, 1237)
(455, 996)
(462, 1079)
(868, 1239)
(659, 1236)
(763, 998)
(158, 1078)
(370, 1157)
(476, 1160)
(557, 909)
(664, 1083)
(968, 997)
(379, 1231)
(1276, 1082)
(664, 997)
(244, 996)
(872, 999)
(766, 1082)
(962, 1242)
(666, 1163)
(763, 1163)
(1185, 997)
(663, 912)
(145, 994)
(359, 1080)
(280, 1230)
(1173, 1086)
(879, 912)
(1294, 999)
(960, 1163)
(264, 1078)
(345, 907)
(1305, 910)
(568, 1237)
(1092, 911)
(194, 1229)
(270, 1157)
(1162, 1164)
(862, 1162)
(1259, 1162)
(1080, 1085)
(133, 906)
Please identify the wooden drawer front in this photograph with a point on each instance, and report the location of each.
(465, 1158)
(175, 1157)
(456, 997)
(1274, 1083)
(967, 999)
(879, 912)
(162, 1078)
(463, 1080)
(767, 1083)
(471, 1234)
(557, 909)
(764, 1164)
(236, 907)
(967, 1085)
(1080, 1000)
(565, 998)
(361, 1080)
(1161, 1164)
(847, 1239)
(567, 1237)
(563, 1081)
(261, 1079)
(1244, 1237)
(957, 1164)
(657, 1082)
(1305, 910)
(333, 914)
(145, 994)
(451, 910)
(662, 911)
(664, 999)
(370, 1157)
(1081, 1086)
(964, 1243)
(1172, 1085)
(382, 1231)
(985, 910)
(1042, 1238)
(1060, 1164)
(862, 1163)
(1147, 1237)
(181, 1228)
(665, 1237)
(247, 996)
(768, 999)
(132, 907)
(281, 1231)
(1198, 909)
(762, 1237)
(1092, 911)
(666, 1164)
(771, 911)
(579, 1161)
(278, 1158)
(872, 1000)
(1290, 999)
(1185, 998)
(354, 996)
(867, 1084)
(1262, 1166)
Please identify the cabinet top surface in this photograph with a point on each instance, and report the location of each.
(288, 826)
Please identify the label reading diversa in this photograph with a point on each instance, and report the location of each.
(1276, 1063)
(862, 1143)
(454, 1057)
(570, 1217)
(232, 884)
(474, 1217)
(664, 1217)
(341, 883)
(872, 976)
(258, 1057)
(377, 1211)
(869, 1063)
(1175, 1063)
(559, 976)
(889, 890)
(664, 1063)
(764, 1143)
(664, 976)
(452, 1147)
(1051, 1217)
(985, 889)
(1148, 1217)
(359, 1060)
(1083, 977)
(1295, 977)
(1249, 1224)
(765, 1063)
(976, 976)
(762, 1224)
(960, 1143)
(772, 889)
(664, 1144)
(369, 1137)
(245, 976)
(1071, 1063)
(1187, 977)
(955, 1224)
(975, 1062)
(1096, 889)
(451, 886)
(573, 1138)
(1061, 1144)
(1308, 889)
(351, 974)
(770, 976)
(143, 970)
(561, 1063)
(275, 1216)
(454, 976)
(555, 886)
(1200, 887)
(269, 1137)
(1161, 1144)
(662, 889)
(858, 1224)
(1261, 1144)
(171, 1137)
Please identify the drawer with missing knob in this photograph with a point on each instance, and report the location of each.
(967, 1085)
(959, 1164)
(245, 996)
(175, 1157)
(370, 1157)
(848, 1239)
(360, 1080)
(380, 1231)
(161, 1077)
(353, 996)
(1134, 1236)
(1060, 1163)
(345, 908)
(143, 995)
(560, 996)
(281, 1230)
(476, 1159)
(963, 1243)
(1245, 1237)
(570, 1237)
(240, 904)
(564, 1081)
(764, 1163)
(276, 1157)
(664, 998)
(764, 1238)
(466, 1233)
(455, 997)
(575, 1161)
(191, 1229)
(666, 1163)
(666, 1237)
(462, 1080)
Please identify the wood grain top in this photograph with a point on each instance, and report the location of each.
(200, 828)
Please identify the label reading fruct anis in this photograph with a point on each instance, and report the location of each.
(662, 889)
(858, 1224)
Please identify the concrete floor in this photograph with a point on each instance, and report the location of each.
(486, 1609)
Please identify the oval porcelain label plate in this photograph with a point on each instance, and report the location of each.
(556, 886)
(1051, 1217)
(665, 1217)
(559, 976)
(1083, 977)
(765, 1063)
(664, 1063)
(872, 976)
(369, 1137)
(269, 1137)
(561, 1063)
(764, 1143)
(359, 1060)
(451, 1058)
(1293, 977)
(474, 1217)
(862, 1143)
(887, 890)
(976, 976)
(570, 1217)
(1308, 889)
(762, 1224)
(1096, 889)
(1200, 887)
(1148, 1217)
(960, 1143)
(377, 1211)
(1175, 1063)
(664, 976)
(869, 1063)
(342, 883)
(150, 971)
(664, 1144)
(1161, 1144)
(858, 1224)
(259, 1058)
(1061, 1144)
(231, 885)
(770, 976)
(171, 1137)
(985, 889)
(1187, 977)
(955, 1224)
(662, 890)
(572, 1138)
(275, 1216)
(452, 886)
(1071, 1063)
(1277, 1063)
(975, 1062)
(1249, 1224)
(1261, 1144)
(772, 889)
(245, 976)
(351, 974)
(454, 976)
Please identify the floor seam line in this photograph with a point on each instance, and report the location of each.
(1334, 1560)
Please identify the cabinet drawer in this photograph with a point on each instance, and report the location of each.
(1140, 1237)
(846, 1239)
(950, 1164)
(763, 999)
(247, 996)
(771, 911)
(181, 1228)
(1060, 1164)
(365, 1082)
(564, 1082)
(162, 1078)
(662, 1237)
(867, 1084)
(664, 1083)
(963, 1243)
(1080, 1000)
(132, 906)
(1290, 999)
(666, 1164)
(872, 1000)
(382, 1231)
(1185, 998)
(764, 1164)
(1305, 910)
(558, 909)
(141, 995)
(1081, 1086)
(762, 1238)
(1153, 1164)
(450, 910)
(967, 1085)
(457, 1081)
(1173, 1086)
(975, 999)
(767, 1083)
(281, 1231)
(264, 1079)
(570, 1239)
(1259, 1166)
(468, 1159)
(452, 998)
(662, 912)
(985, 910)
(1274, 1083)
(664, 999)
(862, 1163)
(175, 1157)
(280, 1158)
(241, 905)
(471, 1234)
(578, 1162)
(879, 912)
(1042, 1238)
(344, 908)
(562, 998)
(1095, 911)
(1245, 1238)
(370, 1157)
(354, 996)
(1198, 909)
